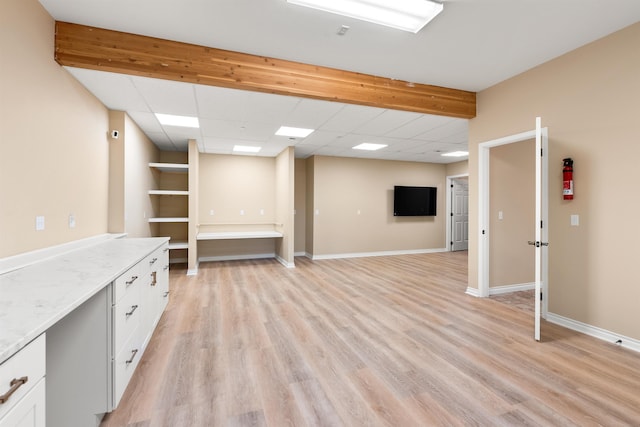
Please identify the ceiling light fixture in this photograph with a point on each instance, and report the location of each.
(172, 120)
(456, 154)
(294, 132)
(406, 15)
(369, 147)
(246, 149)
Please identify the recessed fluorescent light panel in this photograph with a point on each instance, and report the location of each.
(294, 132)
(406, 15)
(456, 154)
(183, 121)
(246, 149)
(369, 147)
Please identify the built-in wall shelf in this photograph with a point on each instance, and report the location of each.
(169, 192)
(172, 181)
(178, 244)
(175, 219)
(170, 167)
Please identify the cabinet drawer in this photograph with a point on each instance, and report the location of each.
(29, 363)
(30, 410)
(125, 364)
(124, 282)
(126, 315)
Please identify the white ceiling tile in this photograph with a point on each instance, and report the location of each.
(311, 113)
(418, 126)
(146, 121)
(167, 97)
(386, 122)
(268, 108)
(237, 129)
(221, 103)
(115, 91)
(351, 117)
(321, 137)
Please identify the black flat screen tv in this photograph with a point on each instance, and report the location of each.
(414, 201)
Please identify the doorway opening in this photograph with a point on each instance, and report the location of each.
(539, 227)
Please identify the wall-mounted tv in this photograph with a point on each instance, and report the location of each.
(414, 201)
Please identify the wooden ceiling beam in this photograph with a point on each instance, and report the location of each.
(106, 50)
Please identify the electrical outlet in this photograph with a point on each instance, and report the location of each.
(39, 223)
(241, 211)
(212, 212)
(72, 220)
(261, 211)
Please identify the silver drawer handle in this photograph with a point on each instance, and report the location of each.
(133, 279)
(133, 356)
(166, 294)
(166, 267)
(133, 308)
(15, 385)
(153, 261)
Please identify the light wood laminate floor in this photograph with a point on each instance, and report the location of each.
(367, 342)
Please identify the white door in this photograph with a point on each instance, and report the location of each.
(460, 215)
(541, 228)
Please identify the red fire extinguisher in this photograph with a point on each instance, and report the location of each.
(567, 179)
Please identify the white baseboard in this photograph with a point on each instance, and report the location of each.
(236, 257)
(16, 262)
(498, 290)
(285, 263)
(474, 292)
(594, 331)
(300, 254)
(373, 254)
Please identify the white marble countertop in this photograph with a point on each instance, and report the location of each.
(34, 298)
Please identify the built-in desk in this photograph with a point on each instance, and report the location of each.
(232, 235)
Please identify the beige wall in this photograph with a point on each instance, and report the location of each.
(458, 168)
(512, 191)
(130, 179)
(309, 205)
(284, 204)
(229, 184)
(53, 139)
(300, 207)
(353, 199)
(588, 99)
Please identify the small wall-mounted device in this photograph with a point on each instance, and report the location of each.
(115, 134)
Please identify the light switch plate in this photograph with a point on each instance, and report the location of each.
(575, 220)
(39, 223)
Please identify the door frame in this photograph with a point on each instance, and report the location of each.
(484, 151)
(448, 224)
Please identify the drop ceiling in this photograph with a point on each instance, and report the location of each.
(471, 45)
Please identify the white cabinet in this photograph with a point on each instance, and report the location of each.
(22, 387)
(138, 304)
